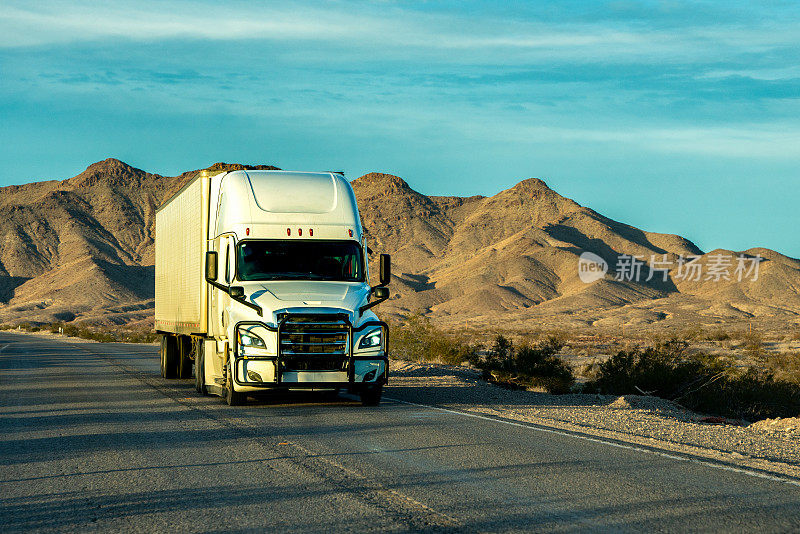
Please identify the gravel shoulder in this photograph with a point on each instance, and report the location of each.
(772, 446)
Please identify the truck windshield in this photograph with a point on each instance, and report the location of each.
(299, 260)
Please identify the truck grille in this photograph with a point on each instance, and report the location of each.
(314, 343)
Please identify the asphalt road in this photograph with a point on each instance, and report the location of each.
(94, 439)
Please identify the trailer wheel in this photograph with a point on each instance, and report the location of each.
(200, 369)
(232, 397)
(184, 361)
(371, 396)
(169, 356)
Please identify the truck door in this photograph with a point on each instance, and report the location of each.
(219, 299)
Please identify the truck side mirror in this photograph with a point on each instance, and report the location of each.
(386, 269)
(381, 293)
(236, 292)
(211, 266)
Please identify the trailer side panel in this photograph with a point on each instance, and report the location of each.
(181, 229)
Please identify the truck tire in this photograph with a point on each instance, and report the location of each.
(232, 397)
(371, 396)
(184, 361)
(169, 356)
(200, 369)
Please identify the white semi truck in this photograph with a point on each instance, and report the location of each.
(262, 283)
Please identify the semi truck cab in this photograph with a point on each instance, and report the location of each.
(262, 283)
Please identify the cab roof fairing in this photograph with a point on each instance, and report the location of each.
(269, 202)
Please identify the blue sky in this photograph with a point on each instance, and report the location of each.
(672, 116)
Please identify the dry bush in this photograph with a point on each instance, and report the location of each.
(718, 334)
(591, 369)
(753, 345)
(692, 333)
(701, 382)
(784, 366)
(419, 340)
(96, 333)
(530, 366)
(561, 337)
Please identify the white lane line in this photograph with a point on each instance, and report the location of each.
(4, 347)
(601, 441)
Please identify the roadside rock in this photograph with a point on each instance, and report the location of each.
(642, 402)
(786, 424)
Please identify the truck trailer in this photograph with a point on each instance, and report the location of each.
(262, 283)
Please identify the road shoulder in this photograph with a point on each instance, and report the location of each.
(650, 423)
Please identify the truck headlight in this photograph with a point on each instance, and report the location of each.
(246, 339)
(371, 340)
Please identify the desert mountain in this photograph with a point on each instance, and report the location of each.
(83, 249)
(512, 259)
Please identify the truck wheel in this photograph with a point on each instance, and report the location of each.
(371, 396)
(232, 397)
(169, 356)
(200, 369)
(184, 362)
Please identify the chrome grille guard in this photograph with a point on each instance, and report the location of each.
(321, 325)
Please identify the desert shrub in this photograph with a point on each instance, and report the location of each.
(102, 337)
(664, 369)
(698, 381)
(591, 369)
(544, 368)
(754, 345)
(784, 366)
(94, 333)
(71, 330)
(718, 335)
(419, 340)
(139, 337)
(529, 366)
(560, 336)
(500, 356)
(692, 333)
(5, 326)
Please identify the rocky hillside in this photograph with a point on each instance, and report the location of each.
(82, 249)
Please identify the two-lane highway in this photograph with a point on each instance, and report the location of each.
(94, 439)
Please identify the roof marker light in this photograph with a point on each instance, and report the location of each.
(247, 231)
(311, 232)
(350, 232)
(299, 231)
(288, 231)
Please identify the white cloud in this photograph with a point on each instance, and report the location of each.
(740, 141)
(365, 30)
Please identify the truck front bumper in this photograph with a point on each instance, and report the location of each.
(253, 373)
